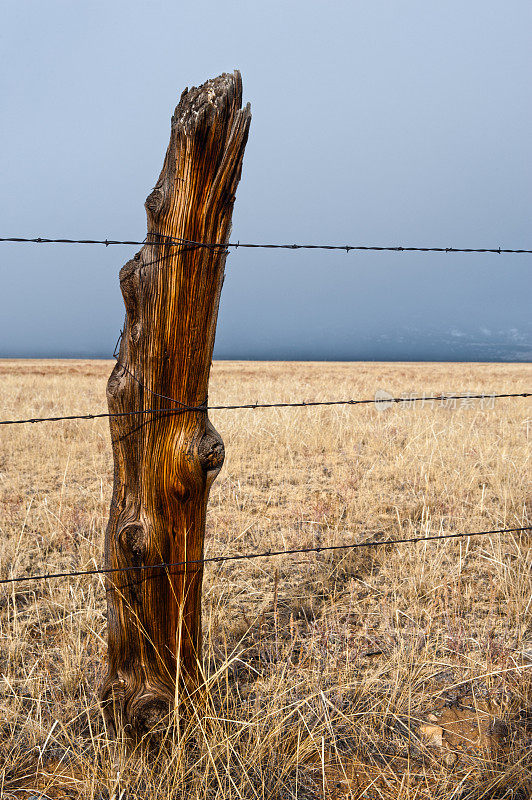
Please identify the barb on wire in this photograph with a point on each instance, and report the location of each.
(100, 416)
(347, 248)
(183, 407)
(264, 554)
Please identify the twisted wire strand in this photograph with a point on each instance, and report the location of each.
(264, 554)
(203, 408)
(174, 241)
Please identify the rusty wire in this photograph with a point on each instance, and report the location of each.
(264, 554)
(175, 241)
(203, 408)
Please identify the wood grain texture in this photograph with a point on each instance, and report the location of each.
(165, 464)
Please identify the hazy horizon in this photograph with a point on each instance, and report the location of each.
(373, 124)
(455, 346)
(444, 351)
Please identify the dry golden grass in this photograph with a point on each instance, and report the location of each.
(321, 668)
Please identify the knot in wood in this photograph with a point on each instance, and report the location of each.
(154, 201)
(136, 330)
(211, 451)
(148, 713)
(115, 383)
(133, 539)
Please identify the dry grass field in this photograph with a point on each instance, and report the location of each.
(391, 672)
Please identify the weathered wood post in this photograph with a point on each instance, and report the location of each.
(164, 464)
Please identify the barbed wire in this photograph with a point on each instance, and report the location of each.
(183, 408)
(175, 241)
(263, 554)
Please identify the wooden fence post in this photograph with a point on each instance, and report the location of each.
(165, 463)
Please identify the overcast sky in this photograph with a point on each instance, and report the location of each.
(375, 122)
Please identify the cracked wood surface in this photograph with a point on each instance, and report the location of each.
(165, 464)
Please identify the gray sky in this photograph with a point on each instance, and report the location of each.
(374, 122)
